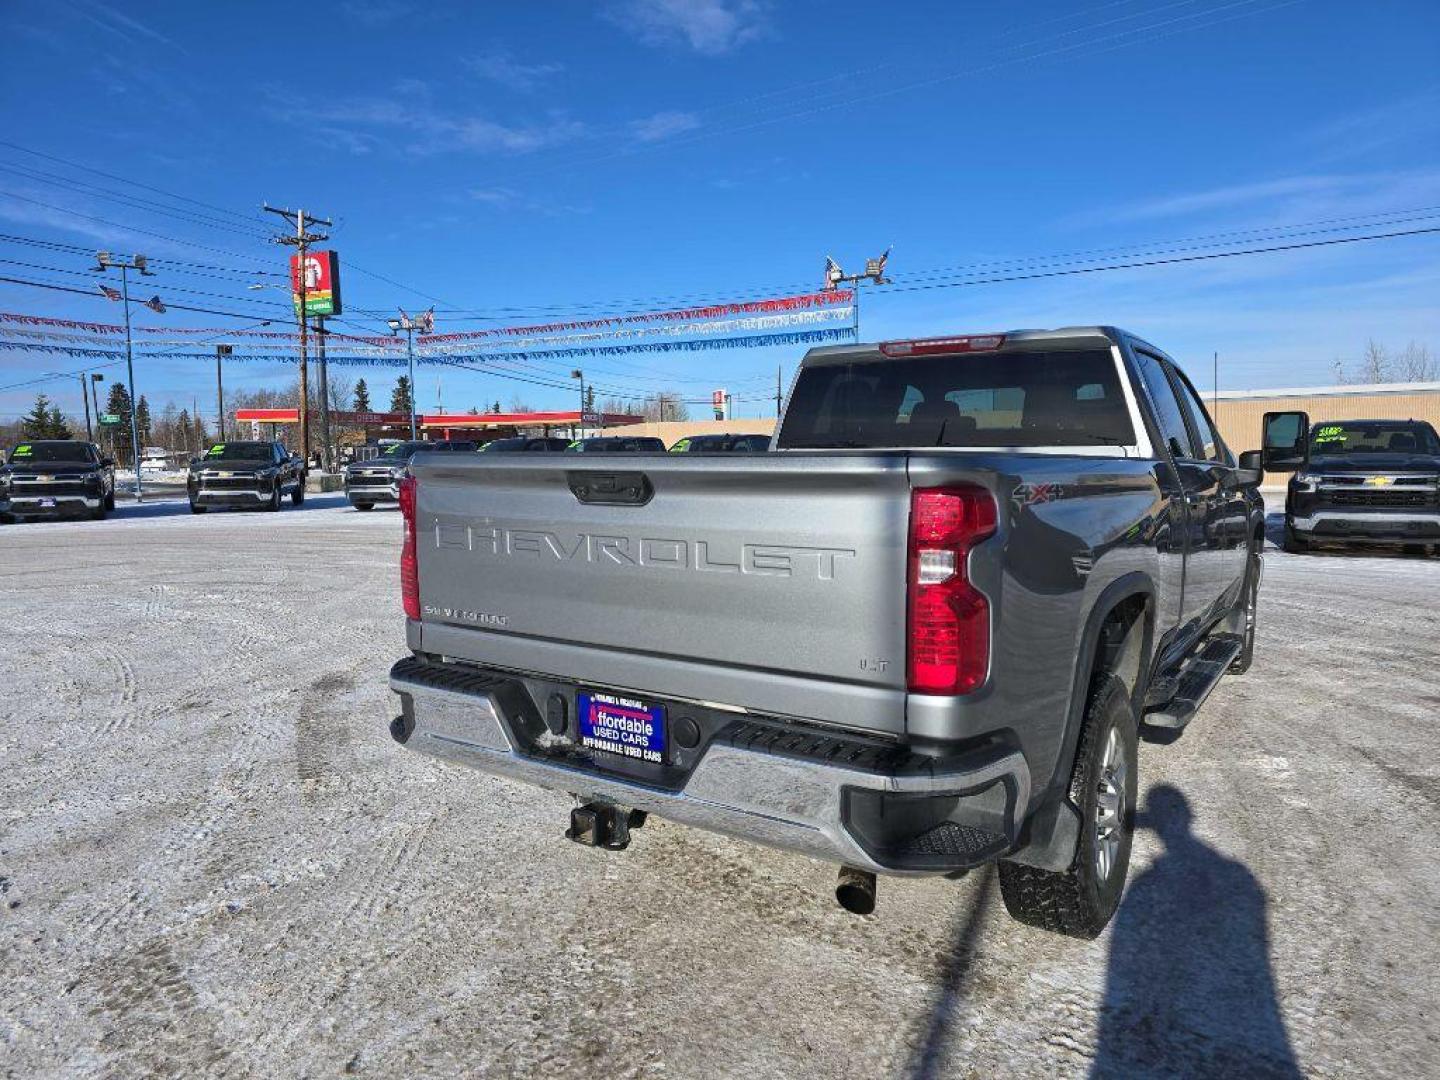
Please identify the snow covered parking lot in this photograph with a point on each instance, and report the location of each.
(215, 861)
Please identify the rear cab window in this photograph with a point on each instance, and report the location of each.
(1014, 397)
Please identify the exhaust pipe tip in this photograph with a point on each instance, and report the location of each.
(855, 891)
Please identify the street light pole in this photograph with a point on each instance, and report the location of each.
(221, 351)
(410, 355)
(85, 397)
(136, 262)
(96, 378)
(580, 427)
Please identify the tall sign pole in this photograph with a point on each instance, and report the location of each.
(300, 284)
(320, 335)
(136, 262)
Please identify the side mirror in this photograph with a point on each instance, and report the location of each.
(1252, 469)
(107, 462)
(1285, 446)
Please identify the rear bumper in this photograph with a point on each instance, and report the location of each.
(1372, 525)
(795, 789)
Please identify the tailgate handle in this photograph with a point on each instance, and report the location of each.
(611, 488)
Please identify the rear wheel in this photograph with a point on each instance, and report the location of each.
(1080, 901)
(98, 514)
(196, 508)
(364, 506)
(298, 495)
(110, 499)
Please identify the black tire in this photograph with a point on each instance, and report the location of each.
(298, 495)
(1293, 544)
(110, 500)
(364, 506)
(196, 508)
(1080, 901)
(274, 504)
(98, 514)
(1248, 602)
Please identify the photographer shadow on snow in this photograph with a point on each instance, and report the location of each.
(1189, 989)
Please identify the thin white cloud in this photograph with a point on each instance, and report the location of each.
(663, 125)
(1410, 122)
(374, 14)
(120, 24)
(407, 121)
(1280, 201)
(710, 27)
(506, 71)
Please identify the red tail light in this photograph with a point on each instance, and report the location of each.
(949, 619)
(409, 563)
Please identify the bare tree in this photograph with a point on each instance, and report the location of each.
(1378, 364)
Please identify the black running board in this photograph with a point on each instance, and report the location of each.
(1201, 675)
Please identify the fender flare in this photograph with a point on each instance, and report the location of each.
(1053, 828)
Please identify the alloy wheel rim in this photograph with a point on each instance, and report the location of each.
(1110, 805)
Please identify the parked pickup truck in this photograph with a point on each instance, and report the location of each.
(918, 637)
(56, 477)
(378, 480)
(254, 475)
(1371, 481)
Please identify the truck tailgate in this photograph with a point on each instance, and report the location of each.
(739, 580)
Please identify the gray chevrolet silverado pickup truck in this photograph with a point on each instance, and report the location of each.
(922, 635)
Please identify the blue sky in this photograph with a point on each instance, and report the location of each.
(525, 161)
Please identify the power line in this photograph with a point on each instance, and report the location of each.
(144, 205)
(126, 228)
(133, 183)
(55, 287)
(1159, 262)
(81, 249)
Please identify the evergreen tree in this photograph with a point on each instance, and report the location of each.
(590, 399)
(201, 434)
(180, 433)
(496, 407)
(44, 421)
(362, 397)
(58, 428)
(118, 403)
(400, 396)
(142, 420)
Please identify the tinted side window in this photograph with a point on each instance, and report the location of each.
(1168, 412)
(1207, 444)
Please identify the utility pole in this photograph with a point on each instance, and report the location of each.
(777, 391)
(426, 325)
(1215, 385)
(85, 397)
(221, 351)
(301, 241)
(107, 261)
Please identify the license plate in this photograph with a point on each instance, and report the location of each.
(47, 504)
(621, 725)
